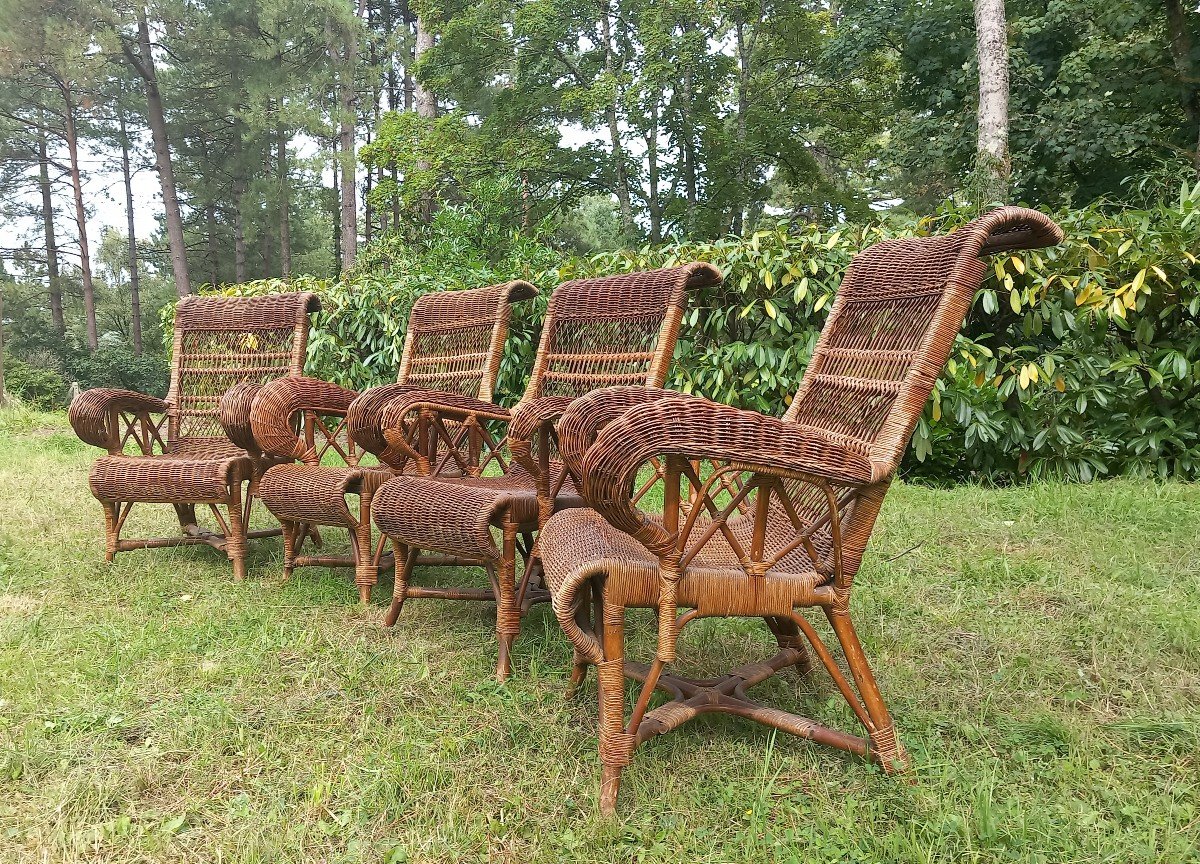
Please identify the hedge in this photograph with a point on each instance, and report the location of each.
(1076, 362)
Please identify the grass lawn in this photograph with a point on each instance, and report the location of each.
(1039, 648)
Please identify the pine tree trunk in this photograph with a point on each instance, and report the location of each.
(368, 207)
(285, 218)
(689, 151)
(135, 294)
(210, 225)
(393, 97)
(741, 157)
(264, 246)
(3, 398)
(85, 260)
(992, 163)
(620, 178)
(427, 107)
(143, 63)
(347, 110)
(56, 300)
(337, 197)
(283, 167)
(239, 232)
(652, 202)
(1185, 68)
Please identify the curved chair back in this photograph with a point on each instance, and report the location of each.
(893, 325)
(613, 330)
(221, 342)
(455, 339)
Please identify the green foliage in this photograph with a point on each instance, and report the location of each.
(1076, 362)
(358, 335)
(592, 226)
(118, 366)
(1096, 95)
(40, 388)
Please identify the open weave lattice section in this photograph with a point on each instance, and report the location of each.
(456, 338)
(877, 332)
(585, 355)
(609, 331)
(211, 362)
(221, 342)
(453, 359)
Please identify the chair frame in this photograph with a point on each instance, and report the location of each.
(806, 487)
(291, 420)
(217, 473)
(531, 439)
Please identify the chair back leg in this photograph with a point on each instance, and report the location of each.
(405, 559)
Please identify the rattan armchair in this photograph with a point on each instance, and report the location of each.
(762, 517)
(200, 450)
(452, 349)
(617, 330)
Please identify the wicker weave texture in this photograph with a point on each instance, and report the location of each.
(611, 330)
(616, 330)
(762, 516)
(452, 349)
(221, 342)
(224, 347)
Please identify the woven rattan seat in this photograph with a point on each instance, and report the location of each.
(453, 347)
(166, 479)
(458, 512)
(201, 451)
(762, 517)
(713, 582)
(317, 493)
(616, 330)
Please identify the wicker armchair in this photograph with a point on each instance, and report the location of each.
(597, 332)
(762, 517)
(200, 451)
(452, 349)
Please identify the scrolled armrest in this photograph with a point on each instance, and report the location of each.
(364, 419)
(234, 413)
(93, 414)
(278, 401)
(395, 418)
(527, 420)
(694, 428)
(587, 415)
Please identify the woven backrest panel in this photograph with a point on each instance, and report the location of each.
(892, 328)
(455, 339)
(613, 330)
(224, 341)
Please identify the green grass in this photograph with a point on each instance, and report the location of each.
(1039, 647)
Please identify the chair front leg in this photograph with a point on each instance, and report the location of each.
(293, 537)
(366, 568)
(580, 661)
(616, 745)
(788, 636)
(187, 518)
(405, 561)
(235, 538)
(885, 745)
(112, 528)
(508, 609)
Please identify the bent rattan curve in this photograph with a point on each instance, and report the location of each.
(762, 517)
(453, 346)
(616, 330)
(199, 452)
